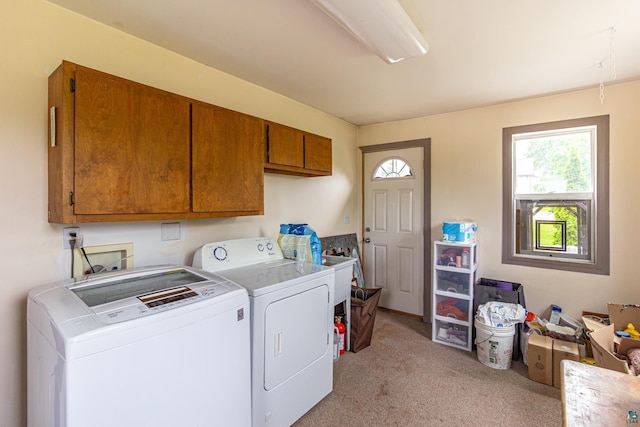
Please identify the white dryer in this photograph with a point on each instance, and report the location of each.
(291, 325)
(162, 346)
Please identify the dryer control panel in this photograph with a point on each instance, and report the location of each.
(229, 254)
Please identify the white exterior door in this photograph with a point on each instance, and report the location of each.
(393, 236)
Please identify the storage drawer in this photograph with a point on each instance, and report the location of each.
(451, 333)
(447, 254)
(452, 307)
(454, 281)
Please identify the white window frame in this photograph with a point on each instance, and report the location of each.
(390, 175)
(598, 260)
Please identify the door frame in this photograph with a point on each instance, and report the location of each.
(425, 143)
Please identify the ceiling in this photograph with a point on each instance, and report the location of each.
(481, 52)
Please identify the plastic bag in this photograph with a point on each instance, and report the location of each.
(300, 242)
(500, 314)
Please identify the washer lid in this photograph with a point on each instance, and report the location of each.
(108, 291)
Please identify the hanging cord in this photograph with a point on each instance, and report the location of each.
(77, 243)
(87, 258)
(612, 62)
(72, 245)
(601, 83)
(612, 49)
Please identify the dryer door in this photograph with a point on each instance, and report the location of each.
(296, 334)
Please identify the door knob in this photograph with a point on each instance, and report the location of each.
(367, 229)
(367, 240)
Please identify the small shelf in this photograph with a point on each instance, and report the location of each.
(452, 299)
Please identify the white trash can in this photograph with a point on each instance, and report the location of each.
(494, 344)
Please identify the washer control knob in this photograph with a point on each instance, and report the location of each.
(260, 247)
(269, 246)
(220, 253)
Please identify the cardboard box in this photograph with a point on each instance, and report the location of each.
(540, 359)
(563, 350)
(604, 341)
(621, 315)
(462, 231)
(590, 325)
(604, 349)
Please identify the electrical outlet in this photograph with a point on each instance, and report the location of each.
(66, 236)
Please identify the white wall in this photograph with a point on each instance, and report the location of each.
(466, 182)
(37, 36)
(466, 172)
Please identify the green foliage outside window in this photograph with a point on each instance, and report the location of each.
(564, 163)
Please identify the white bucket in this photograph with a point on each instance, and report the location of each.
(495, 345)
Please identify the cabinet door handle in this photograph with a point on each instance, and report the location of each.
(52, 125)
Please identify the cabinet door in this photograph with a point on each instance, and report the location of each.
(317, 153)
(292, 151)
(286, 146)
(131, 147)
(228, 160)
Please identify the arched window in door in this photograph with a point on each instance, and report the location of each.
(393, 167)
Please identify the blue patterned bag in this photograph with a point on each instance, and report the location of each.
(300, 242)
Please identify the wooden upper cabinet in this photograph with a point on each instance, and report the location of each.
(285, 146)
(122, 151)
(132, 152)
(317, 150)
(228, 161)
(295, 152)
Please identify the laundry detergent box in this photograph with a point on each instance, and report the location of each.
(462, 231)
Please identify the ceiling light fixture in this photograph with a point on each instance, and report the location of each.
(381, 25)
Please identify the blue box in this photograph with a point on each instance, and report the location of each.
(459, 231)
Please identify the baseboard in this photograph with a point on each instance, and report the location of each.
(388, 310)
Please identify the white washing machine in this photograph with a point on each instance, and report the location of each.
(159, 346)
(291, 325)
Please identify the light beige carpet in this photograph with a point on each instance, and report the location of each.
(405, 379)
